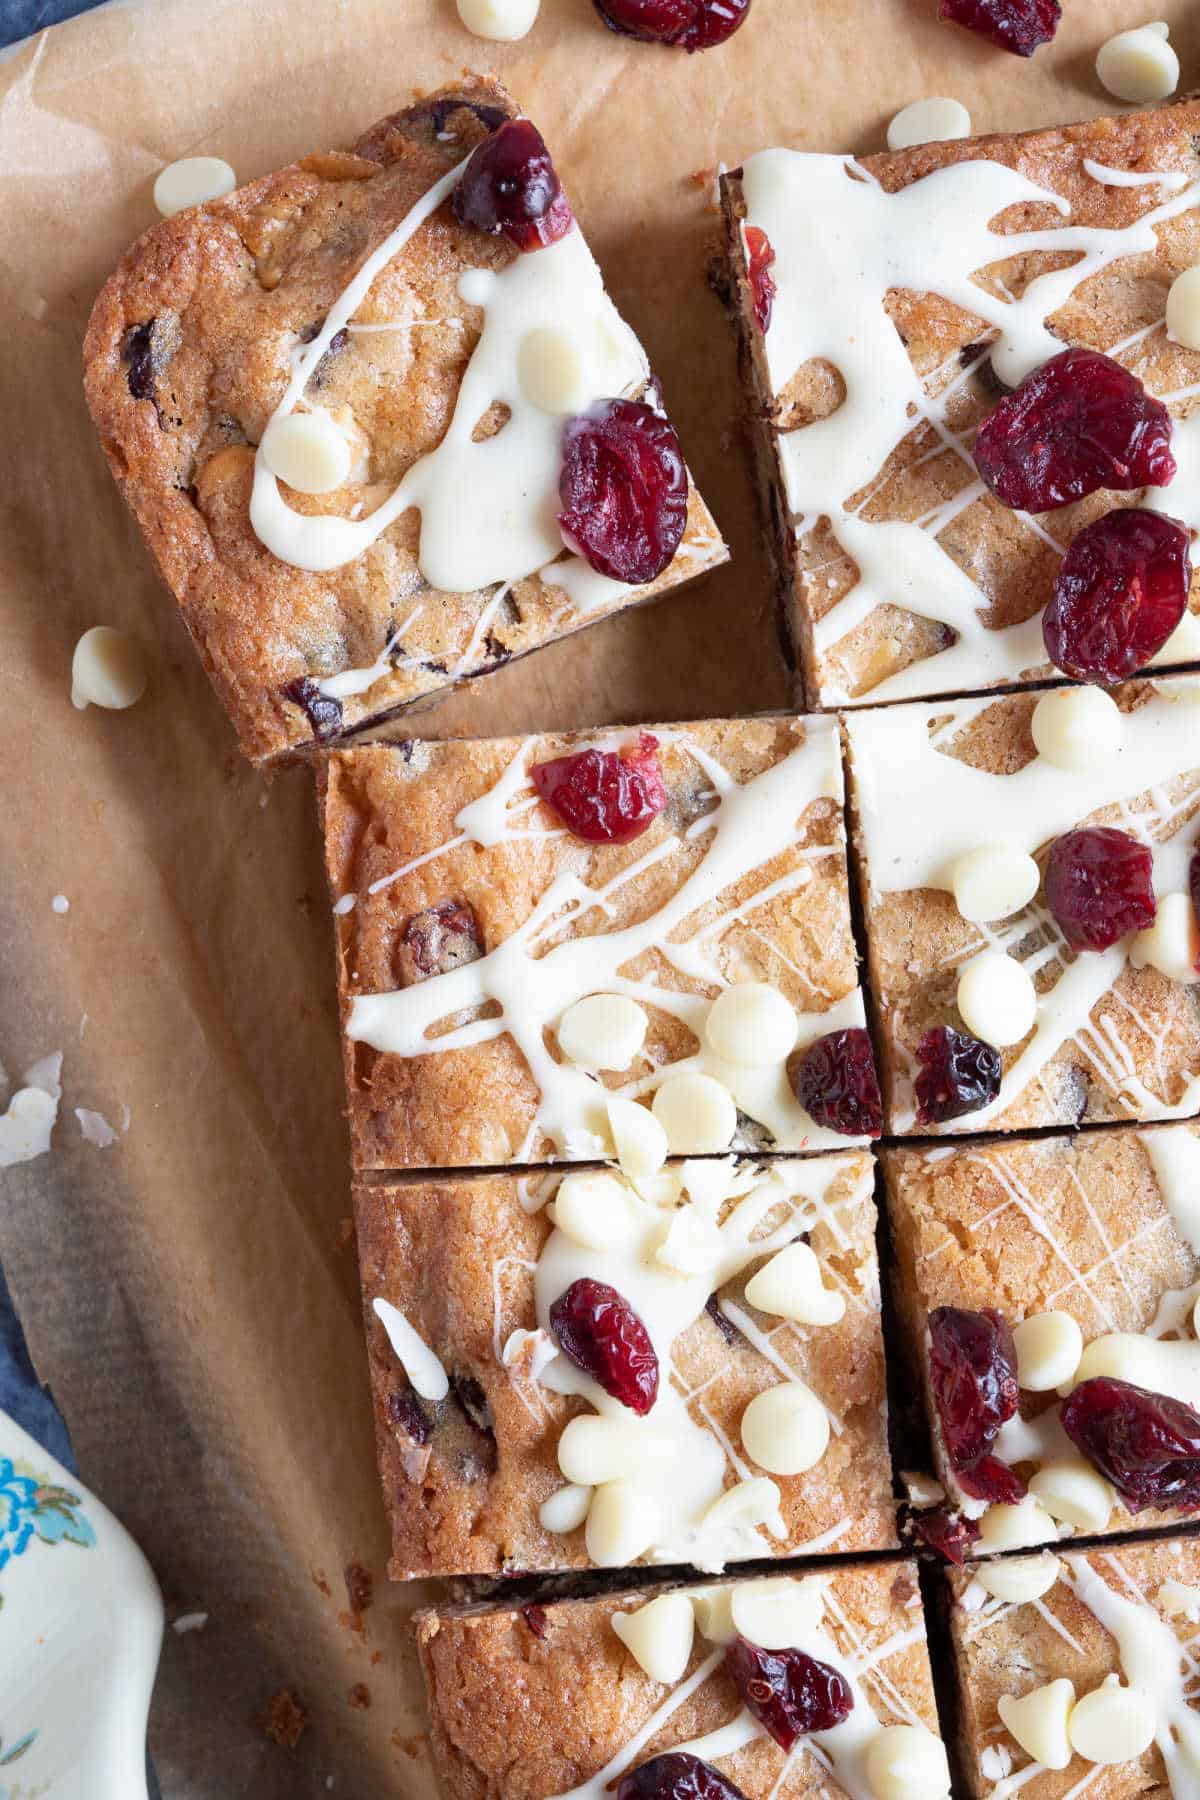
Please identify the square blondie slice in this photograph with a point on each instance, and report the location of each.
(643, 1694)
(1061, 1270)
(1079, 1675)
(572, 1371)
(348, 403)
(1026, 864)
(884, 307)
(546, 942)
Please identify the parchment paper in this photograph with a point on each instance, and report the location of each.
(190, 1292)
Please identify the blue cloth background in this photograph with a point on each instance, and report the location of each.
(18, 18)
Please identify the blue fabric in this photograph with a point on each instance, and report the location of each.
(18, 18)
(21, 1394)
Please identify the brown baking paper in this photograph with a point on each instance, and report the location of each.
(190, 1291)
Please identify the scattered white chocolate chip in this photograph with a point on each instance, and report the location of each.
(1039, 1720)
(692, 1243)
(1019, 1579)
(906, 1762)
(697, 1114)
(713, 1607)
(566, 1509)
(993, 882)
(424, 1370)
(1172, 944)
(593, 1449)
(1074, 1493)
(751, 1024)
(1183, 309)
(602, 1031)
(1077, 727)
(307, 451)
(790, 1287)
(1019, 1527)
(638, 1139)
(190, 182)
(658, 1635)
(503, 21)
(191, 1621)
(26, 1125)
(593, 1209)
(996, 998)
(1049, 1346)
(1112, 1724)
(922, 1489)
(552, 370)
(932, 121)
(620, 1525)
(751, 1502)
(777, 1613)
(1139, 65)
(785, 1429)
(1174, 1598)
(60, 904)
(95, 1128)
(535, 1350)
(108, 669)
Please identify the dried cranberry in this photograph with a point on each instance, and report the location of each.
(688, 24)
(973, 1376)
(1122, 588)
(1080, 422)
(1194, 888)
(438, 939)
(991, 1480)
(1099, 885)
(323, 713)
(624, 489)
(759, 257)
(510, 187)
(535, 1618)
(951, 1534)
(139, 360)
(603, 797)
(837, 1086)
(406, 1412)
(958, 1074)
(601, 1334)
(1016, 25)
(1147, 1445)
(724, 1325)
(789, 1692)
(677, 1776)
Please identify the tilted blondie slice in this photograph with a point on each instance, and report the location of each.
(885, 307)
(1031, 869)
(543, 944)
(1078, 1673)
(587, 1370)
(1047, 1287)
(815, 1686)
(381, 426)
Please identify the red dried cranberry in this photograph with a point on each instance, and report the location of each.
(1194, 887)
(958, 1074)
(1147, 1445)
(1078, 423)
(951, 1534)
(759, 257)
(1122, 588)
(973, 1376)
(688, 24)
(510, 187)
(837, 1086)
(1099, 885)
(406, 1412)
(601, 1334)
(323, 713)
(677, 1776)
(603, 797)
(789, 1692)
(535, 1618)
(1016, 25)
(437, 939)
(990, 1479)
(724, 1325)
(624, 489)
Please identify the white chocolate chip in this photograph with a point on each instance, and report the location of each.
(1139, 65)
(307, 451)
(566, 1509)
(709, 1182)
(1019, 1579)
(1019, 1527)
(692, 1243)
(790, 1287)
(593, 1209)
(1038, 1721)
(1183, 309)
(750, 1502)
(996, 998)
(638, 1139)
(593, 1449)
(421, 1364)
(906, 1762)
(778, 1613)
(1174, 1597)
(602, 1031)
(932, 121)
(697, 1114)
(993, 882)
(192, 181)
(108, 669)
(1073, 1492)
(1112, 1724)
(922, 1489)
(552, 370)
(785, 1429)
(659, 1635)
(751, 1024)
(503, 21)
(1049, 1346)
(620, 1524)
(713, 1607)
(1172, 944)
(1077, 727)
